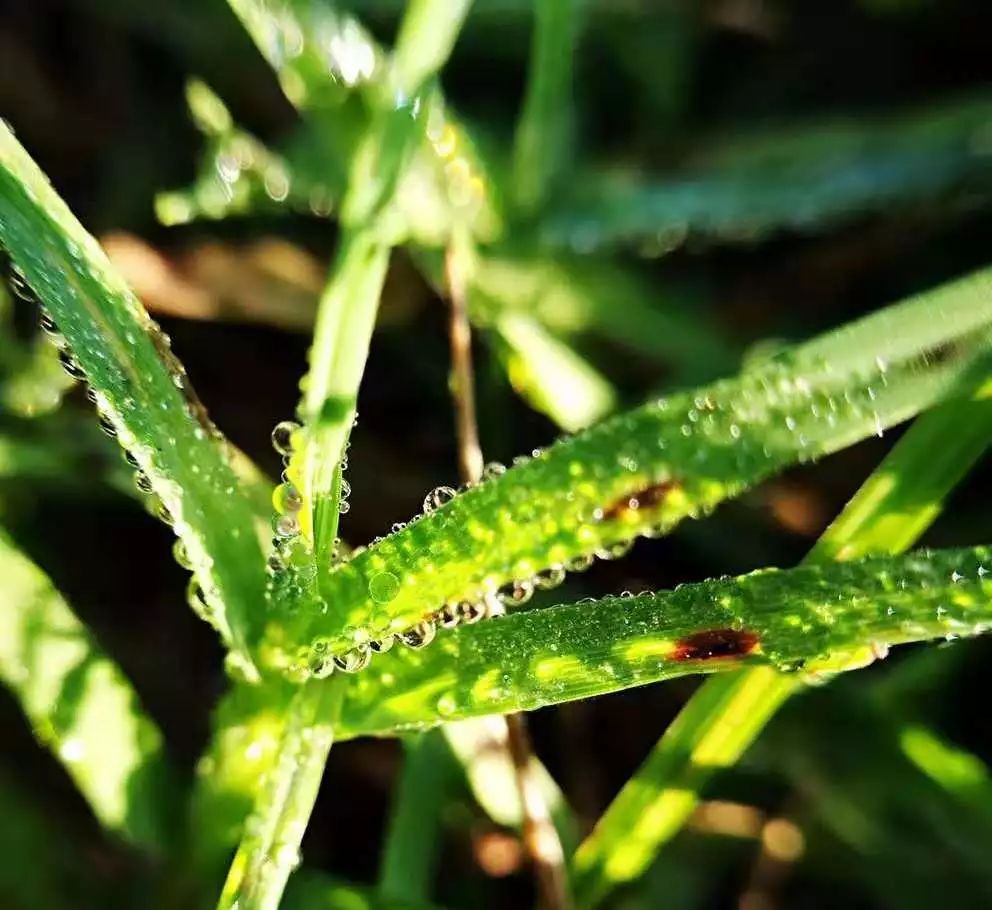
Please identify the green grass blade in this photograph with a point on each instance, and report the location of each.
(551, 376)
(818, 619)
(642, 472)
(82, 708)
(888, 513)
(542, 137)
(426, 38)
(409, 857)
(270, 848)
(582, 296)
(140, 388)
(787, 181)
(906, 493)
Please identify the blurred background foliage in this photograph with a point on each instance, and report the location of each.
(741, 173)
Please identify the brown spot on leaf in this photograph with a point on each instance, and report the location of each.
(715, 643)
(648, 498)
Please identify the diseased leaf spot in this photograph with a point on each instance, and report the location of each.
(648, 498)
(715, 644)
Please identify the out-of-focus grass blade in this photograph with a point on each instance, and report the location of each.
(140, 388)
(886, 515)
(310, 890)
(42, 866)
(573, 296)
(817, 619)
(893, 824)
(794, 181)
(643, 471)
(480, 746)
(409, 856)
(542, 137)
(239, 175)
(552, 376)
(270, 843)
(82, 708)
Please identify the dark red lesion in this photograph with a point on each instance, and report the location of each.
(648, 498)
(715, 644)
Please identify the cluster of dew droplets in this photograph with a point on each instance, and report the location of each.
(487, 605)
(291, 567)
(19, 285)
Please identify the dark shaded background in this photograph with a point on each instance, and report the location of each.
(94, 89)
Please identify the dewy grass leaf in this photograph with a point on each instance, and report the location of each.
(813, 619)
(642, 472)
(81, 707)
(799, 180)
(141, 391)
(718, 723)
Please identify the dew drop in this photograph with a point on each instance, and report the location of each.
(383, 587)
(70, 366)
(353, 660)
(382, 645)
(180, 554)
(344, 507)
(438, 497)
(282, 436)
(286, 499)
(517, 592)
(550, 577)
(107, 425)
(285, 526)
(418, 636)
(493, 469)
(142, 481)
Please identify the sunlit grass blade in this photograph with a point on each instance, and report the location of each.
(814, 619)
(542, 137)
(642, 472)
(552, 376)
(270, 847)
(892, 508)
(82, 708)
(140, 389)
(796, 181)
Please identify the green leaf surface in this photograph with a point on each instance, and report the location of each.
(140, 388)
(642, 472)
(81, 707)
(794, 180)
(817, 619)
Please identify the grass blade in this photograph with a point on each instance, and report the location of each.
(782, 619)
(794, 180)
(409, 857)
(82, 708)
(551, 376)
(541, 142)
(643, 471)
(141, 390)
(270, 848)
(894, 506)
